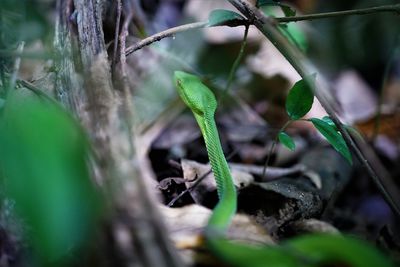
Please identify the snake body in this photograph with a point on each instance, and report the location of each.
(203, 104)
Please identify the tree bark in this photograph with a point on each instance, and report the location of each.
(135, 234)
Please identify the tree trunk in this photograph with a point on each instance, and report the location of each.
(135, 234)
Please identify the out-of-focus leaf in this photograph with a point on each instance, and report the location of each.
(255, 256)
(337, 250)
(267, 2)
(293, 31)
(299, 100)
(333, 137)
(22, 20)
(354, 132)
(229, 18)
(286, 140)
(295, 35)
(43, 156)
(1, 103)
(288, 11)
(310, 250)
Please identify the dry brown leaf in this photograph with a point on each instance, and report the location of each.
(187, 223)
(193, 170)
(314, 226)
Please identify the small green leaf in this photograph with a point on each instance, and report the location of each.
(328, 120)
(299, 100)
(229, 18)
(333, 137)
(286, 140)
(288, 11)
(349, 128)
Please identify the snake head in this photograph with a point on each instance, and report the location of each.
(195, 94)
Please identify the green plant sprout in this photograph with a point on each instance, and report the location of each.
(298, 103)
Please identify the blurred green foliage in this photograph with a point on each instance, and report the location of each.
(220, 17)
(313, 250)
(21, 21)
(364, 43)
(337, 250)
(43, 155)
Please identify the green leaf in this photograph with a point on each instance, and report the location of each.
(43, 162)
(333, 137)
(349, 128)
(300, 99)
(288, 11)
(337, 250)
(286, 140)
(328, 120)
(229, 18)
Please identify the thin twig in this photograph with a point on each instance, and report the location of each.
(189, 189)
(161, 35)
(116, 34)
(238, 59)
(17, 64)
(122, 39)
(273, 147)
(268, 27)
(37, 91)
(127, 105)
(196, 183)
(28, 55)
(364, 11)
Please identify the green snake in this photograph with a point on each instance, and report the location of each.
(318, 248)
(203, 104)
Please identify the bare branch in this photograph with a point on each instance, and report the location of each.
(364, 11)
(161, 35)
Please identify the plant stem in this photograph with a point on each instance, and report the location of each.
(238, 59)
(116, 34)
(271, 150)
(161, 35)
(364, 11)
(17, 64)
(268, 27)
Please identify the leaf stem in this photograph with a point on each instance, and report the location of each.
(271, 150)
(16, 67)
